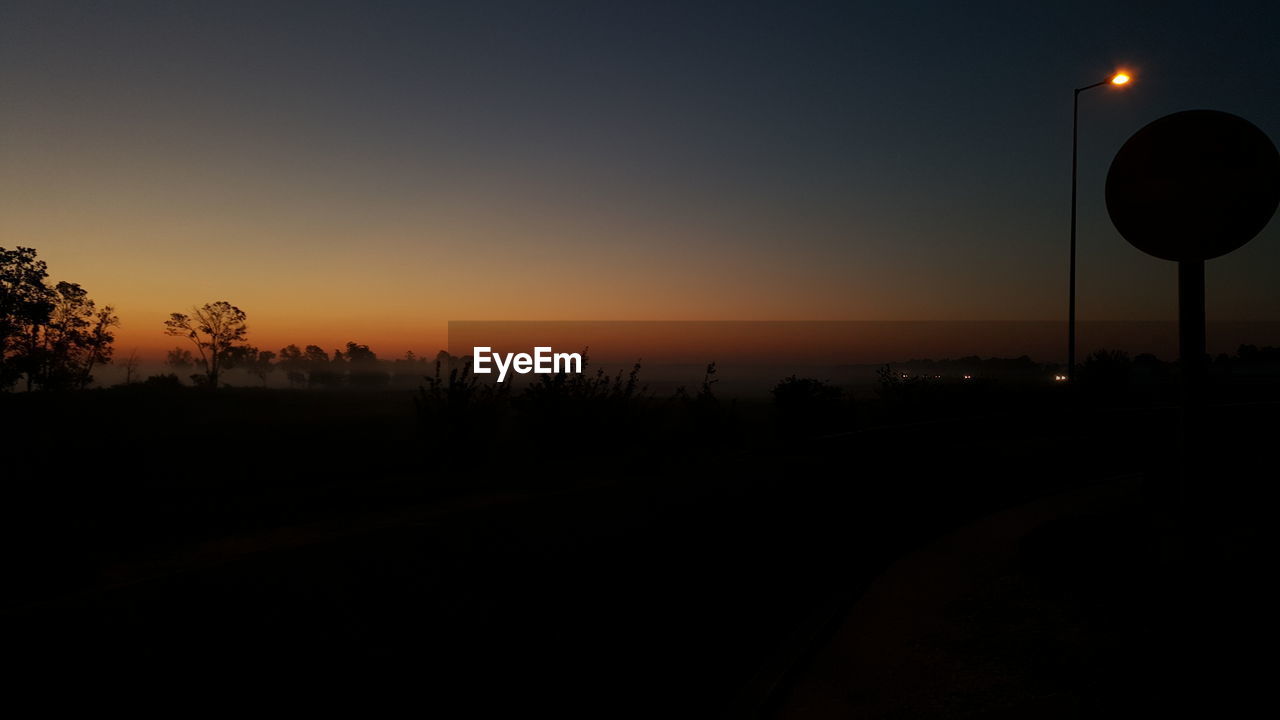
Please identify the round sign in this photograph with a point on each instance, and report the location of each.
(1194, 185)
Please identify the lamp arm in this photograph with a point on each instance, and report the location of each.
(1090, 87)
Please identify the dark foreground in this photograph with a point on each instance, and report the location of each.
(334, 534)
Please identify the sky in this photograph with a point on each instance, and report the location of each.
(369, 171)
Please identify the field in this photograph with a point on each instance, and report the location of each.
(640, 553)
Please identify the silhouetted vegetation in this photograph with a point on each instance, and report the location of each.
(594, 412)
(1104, 375)
(805, 406)
(589, 408)
(667, 518)
(457, 411)
(217, 330)
(163, 382)
(259, 363)
(51, 336)
(580, 509)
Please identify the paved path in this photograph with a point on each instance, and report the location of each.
(919, 642)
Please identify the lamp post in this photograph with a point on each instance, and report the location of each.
(1118, 79)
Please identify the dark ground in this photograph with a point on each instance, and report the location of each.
(334, 532)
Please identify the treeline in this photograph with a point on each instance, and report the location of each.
(972, 366)
(1099, 366)
(216, 342)
(311, 366)
(52, 335)
(1115, 368)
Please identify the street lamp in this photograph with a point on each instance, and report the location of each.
(1118, 79)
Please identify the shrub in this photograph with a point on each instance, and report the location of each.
(805, 406)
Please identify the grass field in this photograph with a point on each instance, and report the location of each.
(646, 554)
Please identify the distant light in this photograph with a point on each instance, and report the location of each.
(1060, 378)
(1119, 79)
(968, 377)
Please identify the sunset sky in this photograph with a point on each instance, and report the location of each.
(369, 171)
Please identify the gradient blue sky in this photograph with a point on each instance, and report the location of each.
(370, 170)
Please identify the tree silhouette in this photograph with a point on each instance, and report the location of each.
(217, 330)
(54, 336)
(294, 365)
(98, 342)
(130, 366)
(180, 359)
(319, 368)
(77, 337)
(25, 305)
(258, 363)
(362, 366)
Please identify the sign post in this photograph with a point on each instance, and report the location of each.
(1189, 187)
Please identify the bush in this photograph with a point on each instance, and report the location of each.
(805, 406)
(163, 382)
(1105, 374)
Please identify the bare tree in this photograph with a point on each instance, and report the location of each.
(130, 366)
(217, 330)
